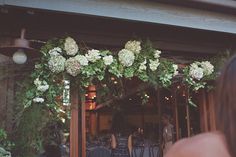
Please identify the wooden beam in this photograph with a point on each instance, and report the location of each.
(142, 11)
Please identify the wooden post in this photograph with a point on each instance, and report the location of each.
(187, 114)
(203, 111)
(159, 117)
(176, 114)
(211, 104)
(74, 122)
(83, 125)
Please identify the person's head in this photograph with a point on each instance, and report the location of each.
(226, 104)
(165, 119)
(118, 123)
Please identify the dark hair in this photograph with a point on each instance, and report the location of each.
(52, 151)
(226, 104)
(119, 124)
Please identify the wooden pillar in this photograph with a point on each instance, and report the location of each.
(176, 114)
(93, 123)
(83, 125)
(187, 114)
(159, 116)
(203, 111)
(74, 122)
(211, 104)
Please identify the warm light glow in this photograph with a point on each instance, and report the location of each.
(91, 95)
(112, 78)
(92, 106)
(167, 98)
(115, 82)
(178, 87)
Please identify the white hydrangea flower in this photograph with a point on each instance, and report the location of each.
(72, 66)
(154, 64)
(93, 55)
(157, 54)
(143, 65)
(42, 88)
(207, 67)
(38, 100)
(41, 85)
(55, 51)
(82, 60)
(126, 57)
(37, 66)
(175, 66)
(134, 46)
(37, 82)
(196, 72)
(70, 46)
(108, 60)
(57, 64)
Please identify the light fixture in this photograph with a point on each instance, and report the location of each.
(20, 50)
(19, 57)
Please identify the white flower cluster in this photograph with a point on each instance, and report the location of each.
(73, 66)
(55, 51)
(70, 46)
(126, 57)
(57, 64)
(42, 86)
(108, 60)
(83, 61)
(157, 54)
(207, 67)
(93, 55)
(200, 69)
(176, 72)
(134, 46)
(38, 100)
(154, 64)
(196, 71)
(143, 66)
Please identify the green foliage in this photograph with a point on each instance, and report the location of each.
(28, 133)
(4, 142)
(4, 153)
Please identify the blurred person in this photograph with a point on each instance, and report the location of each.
(121, 139)
(220, 143)
(167, 133)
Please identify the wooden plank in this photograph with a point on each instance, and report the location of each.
(83, 125)
(128, 10)
(74, 122)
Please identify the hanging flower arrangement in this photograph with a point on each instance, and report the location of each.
(197, 73)
(136, 59)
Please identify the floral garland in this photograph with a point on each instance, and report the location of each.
(136, 59)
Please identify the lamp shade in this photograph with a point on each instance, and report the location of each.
(19, 57)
